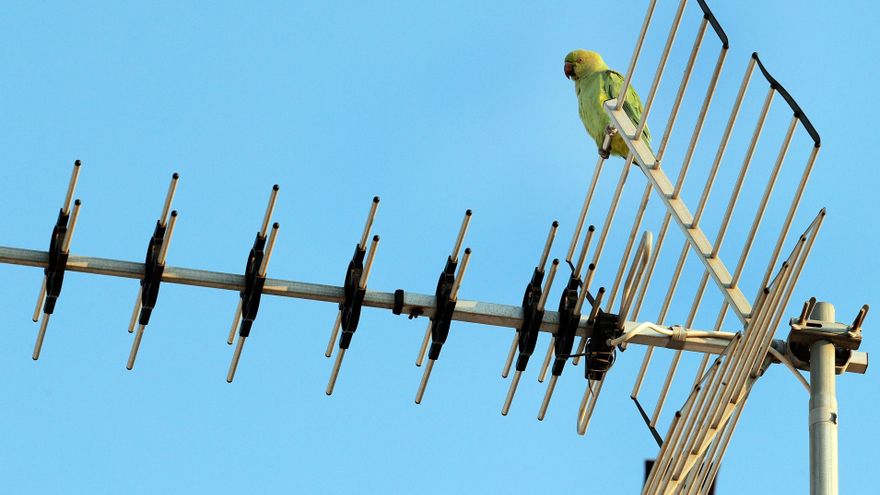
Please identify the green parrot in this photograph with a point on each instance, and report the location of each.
(594, 84)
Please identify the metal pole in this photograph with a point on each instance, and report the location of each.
(823, 410)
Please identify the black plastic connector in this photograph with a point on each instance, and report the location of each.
(709, 16)
(57, 264)
(599, 355)
(445, 307)
(152, 272)
(353, 296)
(798, 113)
(253, 285)
(568, 324)
(532, 318)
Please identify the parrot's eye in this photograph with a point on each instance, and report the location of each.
(580, 60)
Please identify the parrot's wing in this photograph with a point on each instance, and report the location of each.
(632, 104)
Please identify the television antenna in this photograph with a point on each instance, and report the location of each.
(601, 321)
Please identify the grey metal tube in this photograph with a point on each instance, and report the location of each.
(823, 411)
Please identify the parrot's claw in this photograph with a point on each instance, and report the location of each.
(605, 154)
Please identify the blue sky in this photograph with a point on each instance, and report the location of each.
(436, 108)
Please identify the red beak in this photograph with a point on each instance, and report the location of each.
(569, 70)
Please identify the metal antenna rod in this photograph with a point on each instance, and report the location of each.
(633, 278)
(658, 75)
(674, 436)
(734, 196)
(454, 257)
(719, 155)
(664, 392)
(270, 245)
(333, 334)
(546, 364)
(510, 392)
(682, 88)
(456, 283)
(40, 298)
(635, 57)
(748, 243)
(586, 412)
(516, 375)
(368, 265)
(65, 248)
(461, 233)
(541, 263)
(585, 247)
(74, 215)
(547, 395)
(597, 303)
(549, 283)
(370, 217)
(725, 140)
(762, 206)
(163, 252)
(169, 197)
(230, 375)
(270, 208)
(661, 151)
(634, 230)
(424, 383)
(137, 310)
(361, 285)
(41, 334)
(273, 197)
(751, 236)
(695, 137)
(609, 132)
(425, 341)
(701, 119)
(511, 353)
(236, 319)
(361, 245)
(547, 245)
(65, 209)
(673, 283)
(792, 210)
(609, 219)
(71, 187)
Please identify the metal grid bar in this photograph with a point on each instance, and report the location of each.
(680, 213)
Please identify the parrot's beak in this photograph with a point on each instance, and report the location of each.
(569, 70)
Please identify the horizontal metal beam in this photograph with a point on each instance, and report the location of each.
(501, 315)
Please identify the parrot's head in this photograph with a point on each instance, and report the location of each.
(580, 63)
